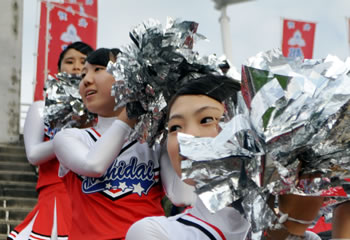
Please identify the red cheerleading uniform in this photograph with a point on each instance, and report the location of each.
(105, 207)
(51, 216)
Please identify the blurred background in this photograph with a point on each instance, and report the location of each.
(247, 26)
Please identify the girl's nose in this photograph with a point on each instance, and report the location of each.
(77, 67)
(87, 80)
(193, 130)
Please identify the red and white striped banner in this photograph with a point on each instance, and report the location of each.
(298, 38)
(61, 23)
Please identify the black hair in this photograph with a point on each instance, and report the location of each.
(217, 87)
(102, 56)
(79, 46)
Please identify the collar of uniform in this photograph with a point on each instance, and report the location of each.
(103, 123)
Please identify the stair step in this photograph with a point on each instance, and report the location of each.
(7, 226)
(15, 192)
(11, 148)
(18, 202)
(14, 213)
(13, 157)
(27, 176)
(16, 166)
(18, 189)
(17, 184)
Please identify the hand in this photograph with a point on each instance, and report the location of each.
(304, 208)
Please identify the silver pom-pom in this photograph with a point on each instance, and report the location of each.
(64, 107)
(150, 70)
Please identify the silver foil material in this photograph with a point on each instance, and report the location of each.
(308, 124)
(151, 69)
(294, 121)
(64, 107)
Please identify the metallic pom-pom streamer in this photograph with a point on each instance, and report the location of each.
(150, 70)
(63, 104)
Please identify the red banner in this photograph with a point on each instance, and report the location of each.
(68, 21)
(298, 38)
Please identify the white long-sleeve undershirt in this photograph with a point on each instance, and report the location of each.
(38, 151)
(77, 156)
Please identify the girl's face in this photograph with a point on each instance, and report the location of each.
(72, 62)
(197, 115)
(95, 90)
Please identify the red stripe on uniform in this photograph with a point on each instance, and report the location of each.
(13, 235)
(36, 237)
(214, 227)
(98, 134)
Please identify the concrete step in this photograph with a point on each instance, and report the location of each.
(13, 213)
(28, 176)
(11, 148)
(13, 157)
(22, 193)
(17, 184)
(18, 189)
(16, 166)
(7, 226)
(19, 202)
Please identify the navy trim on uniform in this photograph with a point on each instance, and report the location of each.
(127, 147)
(91, 135)
(199, 227)
(48, 236)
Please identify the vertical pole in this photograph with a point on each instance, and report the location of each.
(35, 53)
(225, 33)
(348, 27)
(47, 35)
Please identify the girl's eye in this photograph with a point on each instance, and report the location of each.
(174, 128)
(69, 62)
(99, 69)
(207, 120)
(83, 75)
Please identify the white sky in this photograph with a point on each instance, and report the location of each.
(255, 26)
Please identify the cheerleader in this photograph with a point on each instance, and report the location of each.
(113, 182)
(51, 217)
(200, 119)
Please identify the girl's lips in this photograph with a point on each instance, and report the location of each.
(90, 93)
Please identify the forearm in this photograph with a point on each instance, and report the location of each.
(341, 221)
(301, 210)
(40, 153)
(37, 150)
(93, 162)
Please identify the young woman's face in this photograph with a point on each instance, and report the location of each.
(197, 115)
(95, 90)
(72, 62)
